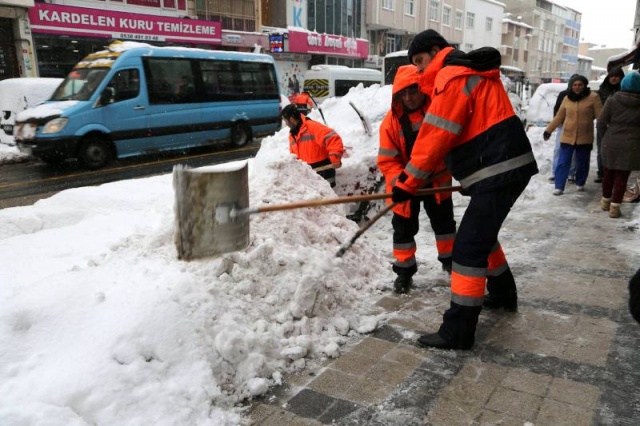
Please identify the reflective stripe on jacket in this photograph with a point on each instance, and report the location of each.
(471, 124)
(393, 154)
(316, 142)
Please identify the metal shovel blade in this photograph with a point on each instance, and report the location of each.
(203, 204)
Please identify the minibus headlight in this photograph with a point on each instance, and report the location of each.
(55, 125)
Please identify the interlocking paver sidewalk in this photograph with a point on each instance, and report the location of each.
(569, 356)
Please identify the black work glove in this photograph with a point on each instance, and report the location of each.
(399, 195)
(546, 135)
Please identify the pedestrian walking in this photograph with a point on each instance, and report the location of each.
(314, 143)
(398, 133)
(471, 125)
(556, 147)
(609, 86)
(619, 128)
(576, 114)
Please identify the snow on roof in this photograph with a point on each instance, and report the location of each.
(510, 68)
(621, 55)
(397, 53)
(518, 23)
(585, 58)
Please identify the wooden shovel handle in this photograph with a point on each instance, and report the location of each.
(342, 200)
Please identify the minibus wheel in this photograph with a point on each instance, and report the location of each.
(95, 152)
(240, 134)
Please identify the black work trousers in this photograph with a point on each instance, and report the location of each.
(406, 228)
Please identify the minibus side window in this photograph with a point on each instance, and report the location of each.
(218, 80)
(125, 84)
(258, 80)
(169, 80)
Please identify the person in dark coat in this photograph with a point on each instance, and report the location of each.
(609, 86)
(619, 128)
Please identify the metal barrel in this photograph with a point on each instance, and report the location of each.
(201, 195)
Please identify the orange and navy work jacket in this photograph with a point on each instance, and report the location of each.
(394, 154)
(317, 145)
(471, 125)
(304, 99)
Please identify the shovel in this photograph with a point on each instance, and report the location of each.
(212, 216)
(229, 212)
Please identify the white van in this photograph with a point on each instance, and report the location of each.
(18, 94)
(323, 81)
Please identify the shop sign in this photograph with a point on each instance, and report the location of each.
(374, 61)
(327, 44)
(167, 4)
(276, 43)
(55, 19)
(232, 38)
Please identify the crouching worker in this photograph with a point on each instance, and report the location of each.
(314, 143)
(398, 133)
(304, 103)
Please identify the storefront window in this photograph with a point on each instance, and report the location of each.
(57, 55)
(8, 60)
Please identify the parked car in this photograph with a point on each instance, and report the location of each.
(19, 94)
(540, 108)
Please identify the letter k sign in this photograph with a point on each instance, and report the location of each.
(297, 12)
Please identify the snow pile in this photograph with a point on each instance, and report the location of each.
(101, 324)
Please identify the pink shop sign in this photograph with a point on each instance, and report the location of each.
(67, 20)
(327, 44)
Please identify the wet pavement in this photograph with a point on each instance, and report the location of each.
(569, 356)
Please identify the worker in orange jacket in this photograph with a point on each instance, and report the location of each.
(304, 103)
(398, 133)
(470, 125)
(314, 143)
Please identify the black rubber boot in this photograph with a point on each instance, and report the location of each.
(509, 301)
(447, 265)
(402, 284)
(436, 341)
(458, 328)
(502, 292)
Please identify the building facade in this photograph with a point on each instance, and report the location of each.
(303, 33)
(516, 42)
(391, 24)
(56, 34)
(553, 52)
(17, 54)
(482, 24)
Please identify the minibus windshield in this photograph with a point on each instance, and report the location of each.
(80, 84)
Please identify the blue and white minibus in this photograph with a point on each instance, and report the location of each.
(136, 99)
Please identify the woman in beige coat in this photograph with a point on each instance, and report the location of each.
(576, 115)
